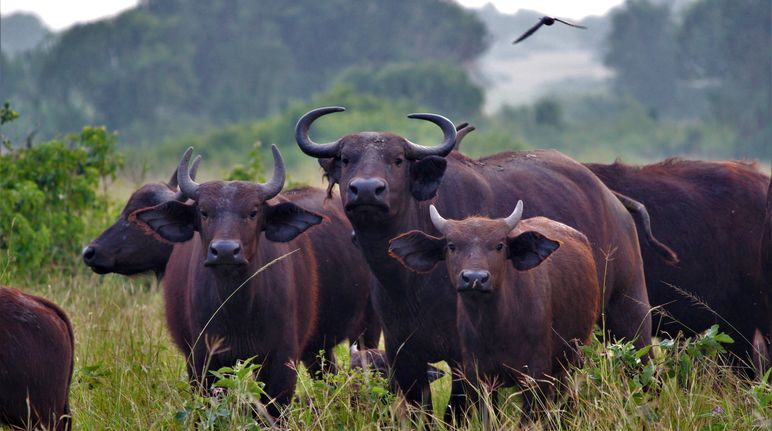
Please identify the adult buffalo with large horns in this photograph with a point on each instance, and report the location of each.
(387, 184)
(234, 309)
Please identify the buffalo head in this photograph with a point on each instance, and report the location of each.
(124, 247)
(379, 172)
(476, 249)
(228, 215)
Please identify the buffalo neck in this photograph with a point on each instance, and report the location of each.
(221, 285)
(374, 237)
(499, 314)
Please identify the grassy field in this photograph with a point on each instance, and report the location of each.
(129, 376)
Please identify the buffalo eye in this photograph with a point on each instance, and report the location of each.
(398, 162)
(451, 246)
(344, 161)
(253, 214)
(204, 214)
(500, 246)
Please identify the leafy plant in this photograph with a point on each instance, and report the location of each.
(48, 198)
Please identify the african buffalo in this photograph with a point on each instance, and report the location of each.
(387, 183)
(36, 359)
(712, 215)
(126, 248)
(528, 293)
(375, 360)
(235, 310)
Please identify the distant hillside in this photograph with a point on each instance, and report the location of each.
(173, 66)
(21, 32)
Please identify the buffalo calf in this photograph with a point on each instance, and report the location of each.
(527, 293)
(376, 360)
(36, 357)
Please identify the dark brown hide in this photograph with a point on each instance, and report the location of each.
(386, 191)
(535, 300)
(124, 248)
(272, 316)
(711, 214)
(344, 309)
(128, 249)
(36, 357)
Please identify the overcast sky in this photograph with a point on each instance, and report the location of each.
(59, 14)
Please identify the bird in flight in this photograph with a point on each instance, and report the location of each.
(546, 20)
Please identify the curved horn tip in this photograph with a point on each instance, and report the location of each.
(516, 215)
(194, 167)
(276, 183)
(437, 220)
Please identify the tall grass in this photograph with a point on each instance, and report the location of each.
(128, 375)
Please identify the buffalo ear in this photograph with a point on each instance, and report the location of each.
(529, 249)
(426, 175)
(285, 221)
(173, 221)
(417, 251)
(331, 168)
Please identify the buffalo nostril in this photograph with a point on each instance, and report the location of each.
(236, 251)
(89, 253)
(485, 277)
(380, 189)
(213, 251)
(353, 189)
(464, 277)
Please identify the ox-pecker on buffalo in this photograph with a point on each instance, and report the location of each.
(528, 294)
(269, 314)
(712, 215)
(387, 184)
(36, 359)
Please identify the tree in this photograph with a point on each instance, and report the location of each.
(642, 51)
(725, 53)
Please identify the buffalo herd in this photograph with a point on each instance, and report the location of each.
(422, 244)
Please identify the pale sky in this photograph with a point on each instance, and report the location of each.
(59, 14)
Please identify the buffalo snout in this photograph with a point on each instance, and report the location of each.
(225, 252)
(474, 281)
(367, 191)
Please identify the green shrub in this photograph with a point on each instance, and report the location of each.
(49, 202)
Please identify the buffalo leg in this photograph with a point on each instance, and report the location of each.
(411, 378)
(457, 403)
(280, 382)
(628, 314)
(318, 366)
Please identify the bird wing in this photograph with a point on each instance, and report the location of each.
(570, 23)
(530, 31)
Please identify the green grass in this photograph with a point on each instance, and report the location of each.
(129, 376)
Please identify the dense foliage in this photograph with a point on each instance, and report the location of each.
(49, 199)
(171, 66)
(712, 61)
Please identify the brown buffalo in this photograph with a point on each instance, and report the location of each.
(528, 293)
(386, 186)
(712, 215)
(375, 360)
(36, 359)
(636, 209)
(234, 311)
(128, 249)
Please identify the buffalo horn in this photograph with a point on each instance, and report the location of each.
(320, 151)
(415, 151)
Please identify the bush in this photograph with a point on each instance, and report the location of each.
(49, 200)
